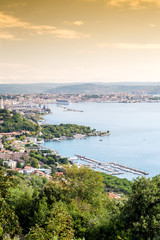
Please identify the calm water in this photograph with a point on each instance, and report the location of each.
(134, 139)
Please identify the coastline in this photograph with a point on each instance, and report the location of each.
(126, 145)
(76, 136)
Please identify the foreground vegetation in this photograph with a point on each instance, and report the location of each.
(115, 184)
(76, 206)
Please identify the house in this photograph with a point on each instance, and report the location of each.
(59, 174)
(12, 164)
(113, 196)
(41, 174)
(28, 170)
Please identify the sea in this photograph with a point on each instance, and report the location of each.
(134, 140)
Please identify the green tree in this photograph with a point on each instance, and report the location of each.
(8, 220)
(139, 219)
(59, 225)
(19, 165)
(34, 163)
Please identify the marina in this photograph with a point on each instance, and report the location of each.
(111, 168)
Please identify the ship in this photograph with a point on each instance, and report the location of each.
(62, 102)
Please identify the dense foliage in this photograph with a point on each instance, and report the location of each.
(115, 184)
(15, 122)
(68, 130)
(75, 206)
(48, 158)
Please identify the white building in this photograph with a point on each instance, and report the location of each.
(62, 102)
(1, 103)
(24, 107)
(10, 163)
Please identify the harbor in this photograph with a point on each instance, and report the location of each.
(125, 146)
(110, 168)
(69, 109)
(96, 165)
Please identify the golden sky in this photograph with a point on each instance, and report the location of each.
(79, 41)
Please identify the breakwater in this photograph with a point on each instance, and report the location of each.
(99, 165)
(111, 167)
(128, 169)
(70, 109)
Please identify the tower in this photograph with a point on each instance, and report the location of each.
(1, 103)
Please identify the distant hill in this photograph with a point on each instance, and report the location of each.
(80, 88)
(102, 88)
(26, 88)
(76, 88)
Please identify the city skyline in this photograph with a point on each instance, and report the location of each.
(79, 41)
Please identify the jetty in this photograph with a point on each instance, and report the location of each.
(70, 109)
(128, 169)
(111, 167)
(81, 157)
(99, 165)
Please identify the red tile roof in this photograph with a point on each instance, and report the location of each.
(111, 195)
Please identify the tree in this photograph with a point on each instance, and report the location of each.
(59, 225)
(34, 163)
(19, 165)
(8, 220)
(82, 190)
(139, 219)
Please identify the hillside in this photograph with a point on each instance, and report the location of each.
(76, 88)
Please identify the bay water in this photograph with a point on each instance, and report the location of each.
(134, 140)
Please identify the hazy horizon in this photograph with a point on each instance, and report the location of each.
(79, 41)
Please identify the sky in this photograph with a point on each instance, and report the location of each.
(79, 41)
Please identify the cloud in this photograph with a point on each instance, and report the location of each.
(18, 73)
(16, 4)
(152, 25)
(9, 22)
(7, 36)
(77, 23)
(89, 0)
(133, 4)
(130, 46)
(69, 34)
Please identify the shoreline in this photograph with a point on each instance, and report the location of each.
(76, 136)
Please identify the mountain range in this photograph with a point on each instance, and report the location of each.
(77, 88)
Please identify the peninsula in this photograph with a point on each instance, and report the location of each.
(69, 131)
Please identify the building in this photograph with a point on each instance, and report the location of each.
(62, 102)
(24, 107)
(1, 103)
(28, 170)
(10, 163)
(113, 196)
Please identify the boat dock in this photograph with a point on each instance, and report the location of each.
(99, 165)
(112, 168)
(90, 160)
(128, 169)
(70, 109)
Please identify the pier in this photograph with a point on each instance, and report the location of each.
(99, 165)
(128, 169)
(112, 168)
(70, 109)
